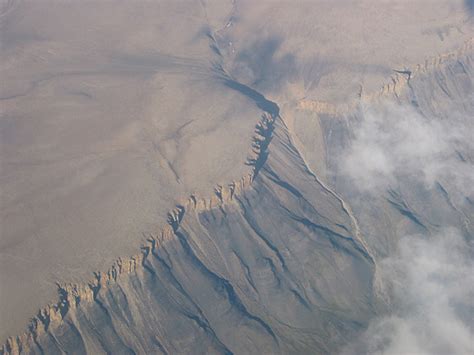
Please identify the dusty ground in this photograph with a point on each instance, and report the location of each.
(113, 111)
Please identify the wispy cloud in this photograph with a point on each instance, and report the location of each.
(392, 143)
(430, 284)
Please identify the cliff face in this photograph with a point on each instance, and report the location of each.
(424, 127)
(291, 258)
(277, 262)
(113, 111)
(272, 264)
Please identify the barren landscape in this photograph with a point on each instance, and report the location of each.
(276, 177)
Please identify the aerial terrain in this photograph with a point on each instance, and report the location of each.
(237, 177)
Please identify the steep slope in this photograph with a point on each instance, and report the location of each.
(270, 264)
(276, 262)
(290, 258)
(110, 111)
(403, 160)
(423, 124)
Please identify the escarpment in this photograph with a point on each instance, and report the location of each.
(275, 262)
(439, 98)
(398, 84)
(73, 295)
(270, 263)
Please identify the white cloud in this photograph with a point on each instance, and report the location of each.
(429, 282)
(393, 142)
(431, 287)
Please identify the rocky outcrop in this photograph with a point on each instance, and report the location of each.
(73, 295)
(438, 94)
(245, 270)
(396, 86)
(275, 262)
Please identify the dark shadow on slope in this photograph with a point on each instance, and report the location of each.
(260, 100)
(262, 65)
(264, 130)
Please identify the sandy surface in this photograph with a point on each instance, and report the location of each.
(109, 115)
(112, 111)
